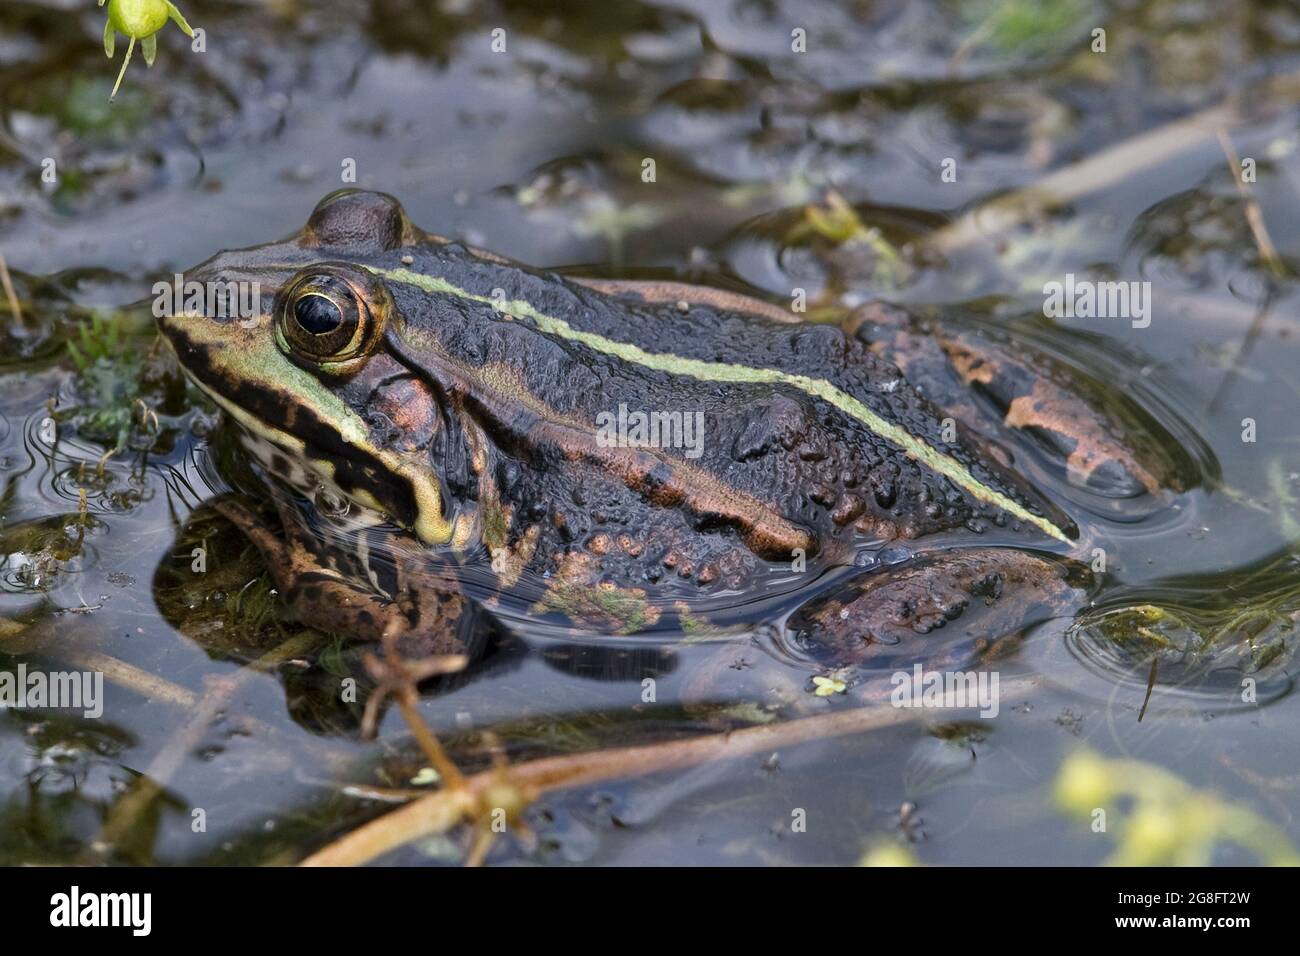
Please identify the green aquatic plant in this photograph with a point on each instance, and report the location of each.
(118, 381)
(1024, 27)
(827, 686)
(838, 223)
(138, 20)
(107, 379)
(623, 610)
(1168, 821)
(1207, 633)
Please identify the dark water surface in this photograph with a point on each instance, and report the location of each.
(537, 153)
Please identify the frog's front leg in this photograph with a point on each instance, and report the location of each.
(426, 627)
(426, 615)
(960, 607)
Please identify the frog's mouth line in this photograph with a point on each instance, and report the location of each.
(339, 454)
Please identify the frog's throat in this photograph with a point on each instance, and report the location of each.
(913, 447)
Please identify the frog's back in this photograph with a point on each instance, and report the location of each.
(796, 418)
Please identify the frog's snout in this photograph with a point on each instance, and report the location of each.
(203, 295)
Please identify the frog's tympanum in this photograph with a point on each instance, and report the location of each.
(618, 457)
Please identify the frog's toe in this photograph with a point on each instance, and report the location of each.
(960, 606)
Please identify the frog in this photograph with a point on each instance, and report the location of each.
(621, 457)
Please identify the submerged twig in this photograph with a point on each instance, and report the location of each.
(972, 41)
(1089, 175)
(1254, 218)
(439, 812)
(1151, 685)
(10, 294)
(1243, 350)
(1104, 169)
(39, 639)
(147, 685)
(128, 809)
(1267, 252)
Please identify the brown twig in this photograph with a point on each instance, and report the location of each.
(1267, 252)
(128, 809)
(148, 686)
(439, 812)
(408, 704)
(1151, 685)
(7, 281)
(131, 806)
(38, 640)
(1092, 174)
(1107, 168)
(972, 42)
(1254, 218)
(398, 676)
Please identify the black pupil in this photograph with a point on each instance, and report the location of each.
(317, 314)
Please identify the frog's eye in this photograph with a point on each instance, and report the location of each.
(326, 316)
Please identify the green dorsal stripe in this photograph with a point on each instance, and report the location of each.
(913, 447)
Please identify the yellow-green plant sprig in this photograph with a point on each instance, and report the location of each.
(138, 20)
(1171, 823)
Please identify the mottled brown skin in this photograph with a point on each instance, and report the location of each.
(502, 415)
(421, 609)
(971, 601)
(999, 391)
